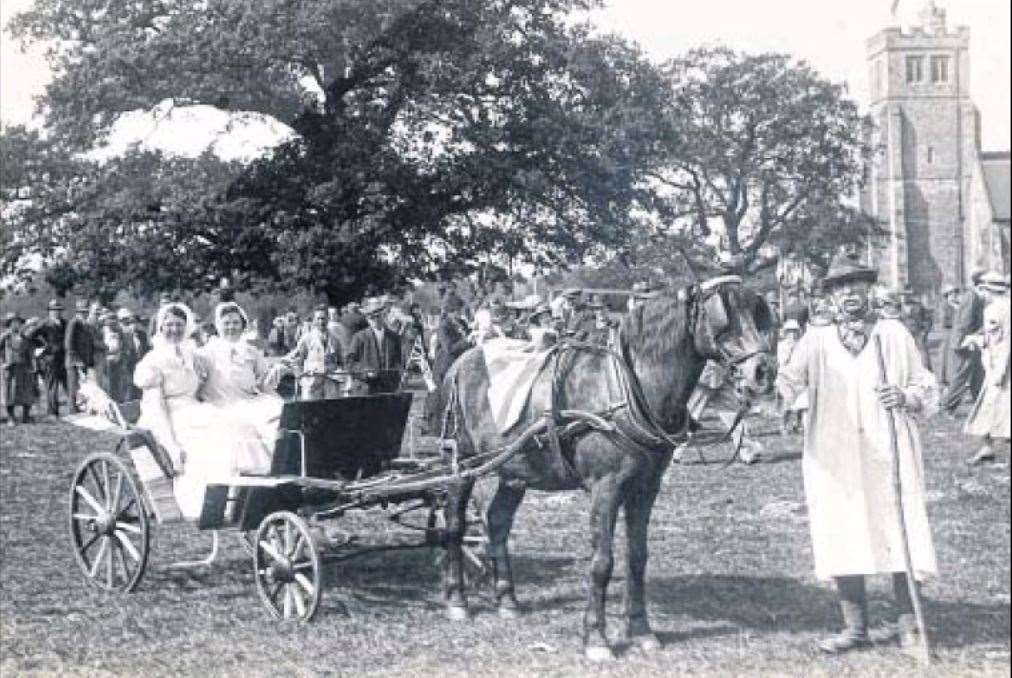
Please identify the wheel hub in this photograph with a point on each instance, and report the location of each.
(282, 571)
(104, 523)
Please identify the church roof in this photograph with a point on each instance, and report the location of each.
(998, 177)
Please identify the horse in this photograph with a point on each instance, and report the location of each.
(622, 411)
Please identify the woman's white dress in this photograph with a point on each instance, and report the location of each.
(990, 414)
(236, 382)
(216, 446)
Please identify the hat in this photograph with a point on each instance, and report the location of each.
(772, 297)
(977, 274)
(55, 305)
(81, 305)
(948, 289)
(11, 317)
(847, 266)
(883, 294)
(994, 281)
(541, 309)
(373, 307)
(572, 292)
(124, 314)
(791, 324)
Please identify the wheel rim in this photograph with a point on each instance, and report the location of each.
(108, 524)
(286, 566)
(473, 546)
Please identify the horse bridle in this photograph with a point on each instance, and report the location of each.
(708, 289)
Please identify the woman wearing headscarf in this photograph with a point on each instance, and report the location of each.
(17, 387)
(239, 378)
(206, 445)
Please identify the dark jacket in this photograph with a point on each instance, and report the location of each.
(366, 354)
(51, 335)
(79, 343)
(451, 341)
(355, 322)
(969, 318)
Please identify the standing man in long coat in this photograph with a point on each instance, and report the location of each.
(52, 361)
(968, 375)
(79, 349)
(947, 310)
(848, 455)
(450, 342)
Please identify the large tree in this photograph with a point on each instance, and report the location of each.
(761, 154)
(429, 135)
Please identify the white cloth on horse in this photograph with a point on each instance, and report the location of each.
(847, 451)
(512, 368)
(240, 381)
(216, 445)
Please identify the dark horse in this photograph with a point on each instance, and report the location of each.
(637, 396)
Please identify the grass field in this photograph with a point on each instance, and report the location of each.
(731, 590)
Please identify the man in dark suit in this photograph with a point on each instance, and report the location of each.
(968, 376)
(50, 336)
(373, 350)
(135, 345)
(79, 350)
(451, 340)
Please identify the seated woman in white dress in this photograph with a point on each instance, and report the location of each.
(205, 444)
(239, 379)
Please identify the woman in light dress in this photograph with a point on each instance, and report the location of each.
(206, 445)
(239, 378)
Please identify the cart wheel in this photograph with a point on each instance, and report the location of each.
(108, 524)
(247, 540)
(474, 548)
(287, 567)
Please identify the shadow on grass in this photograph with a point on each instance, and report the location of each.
(784, 604)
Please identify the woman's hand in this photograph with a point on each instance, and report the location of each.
(891, 396)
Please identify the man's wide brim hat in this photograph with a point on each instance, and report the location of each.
(846, 267)
(791, 324)
(55, 305)
(81, 305)
(994, 282)
(948, 289)
(373, 307)
(10, 317)
(572, 292)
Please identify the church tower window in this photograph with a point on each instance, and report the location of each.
(939, 69)
(915, 69)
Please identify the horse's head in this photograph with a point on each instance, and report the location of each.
(730, 327)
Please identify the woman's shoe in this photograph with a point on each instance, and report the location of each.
(986, 453)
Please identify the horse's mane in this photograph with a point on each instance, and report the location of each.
(655, 327)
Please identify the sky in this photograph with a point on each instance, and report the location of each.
(831, 36)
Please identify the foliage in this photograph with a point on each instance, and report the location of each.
(762, 151)
(432, 137)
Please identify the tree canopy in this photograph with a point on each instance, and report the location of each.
(762, 150)
(429, 135)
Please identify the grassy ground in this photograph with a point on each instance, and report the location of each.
(731, 590)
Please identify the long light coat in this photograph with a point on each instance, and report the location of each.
(847, 454)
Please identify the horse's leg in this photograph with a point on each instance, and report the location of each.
(604, 503)
(501, 511)
(638, 506)
(458, 494)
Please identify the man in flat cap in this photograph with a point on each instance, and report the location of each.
(373, 351)
(855, 528)
(968, 372)
(50, 336)
(79, 350)
(946, 316)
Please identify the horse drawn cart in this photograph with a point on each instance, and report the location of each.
(332, 457)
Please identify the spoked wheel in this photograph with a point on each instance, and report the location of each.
(474, 547)
(108, 524)
(287, 567)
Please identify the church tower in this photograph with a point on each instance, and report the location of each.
(927, 143)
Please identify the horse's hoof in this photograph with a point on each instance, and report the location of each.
(456, 613)
(599, 653)
(647, 643)
(509, 612)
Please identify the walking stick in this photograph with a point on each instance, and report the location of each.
(915, 596)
